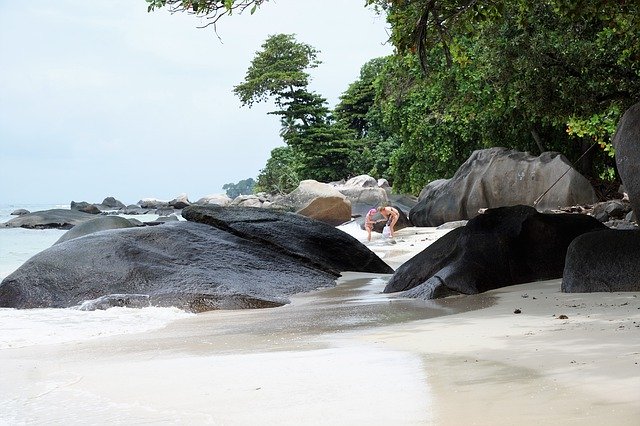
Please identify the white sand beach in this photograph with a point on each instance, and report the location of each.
(351, 355)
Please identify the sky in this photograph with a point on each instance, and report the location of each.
(100, 98)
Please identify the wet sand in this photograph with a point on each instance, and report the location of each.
(351, 355)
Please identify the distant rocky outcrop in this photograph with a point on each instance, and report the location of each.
(250, 200)
(133, 209)
(216, 199)
(237, 258)
(152, 203)
(502, 247)
(110, 203)
(180, 202)
(498, 177)
(85, 207)
(46, 219)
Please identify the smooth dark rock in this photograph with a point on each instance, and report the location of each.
(45, 219)
(609, 210)
(403, 201)
(502, 247)
(627, 144)
(20, 212)
(499, 177)
(189, 265)
(603, 261)
(249, 258)
(294, 235)
(97, 224)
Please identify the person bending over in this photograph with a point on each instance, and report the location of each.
(392, 215)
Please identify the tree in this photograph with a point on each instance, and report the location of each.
(359, 110)
(278, 71)
(318, 148)
(468, 74)
(548, 75)
(244, 187)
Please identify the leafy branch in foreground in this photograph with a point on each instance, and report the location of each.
(212, 10)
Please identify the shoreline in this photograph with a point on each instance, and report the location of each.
(350, 354)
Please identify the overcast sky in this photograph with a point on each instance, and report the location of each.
(100, 98)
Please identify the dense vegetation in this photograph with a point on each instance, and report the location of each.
(534, 76)
(244, 187)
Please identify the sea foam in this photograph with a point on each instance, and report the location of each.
(27, 327)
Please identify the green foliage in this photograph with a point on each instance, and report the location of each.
(244, 187)
(359, 112)
(317, 147)
(279, 175)
(552, 75)
(277, 71)
(211, 9)
(599, 127)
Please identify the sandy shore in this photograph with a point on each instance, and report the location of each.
(351, 355)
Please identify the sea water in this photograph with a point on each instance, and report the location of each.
(26, 327)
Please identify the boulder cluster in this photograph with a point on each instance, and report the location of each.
(220, 258)
(524, 218)
(501, 246)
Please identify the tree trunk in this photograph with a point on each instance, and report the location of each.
(536, 137)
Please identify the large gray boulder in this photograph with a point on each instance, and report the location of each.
(102, 223)
(331, 210)
(247, 201)
(609, 260)
(317, 200)
(152, 203)
(603, 261)
(498, 177)
(245, 260)
(111, 203)
(180, 202)
(626, 141)
(363, 193)
(502, 247)
(215, 199)
(294, 234)
(46, 219)
(85, 207)
(306, 191)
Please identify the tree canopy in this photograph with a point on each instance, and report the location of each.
(550, 75)
(243, 187)
(316, 147)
